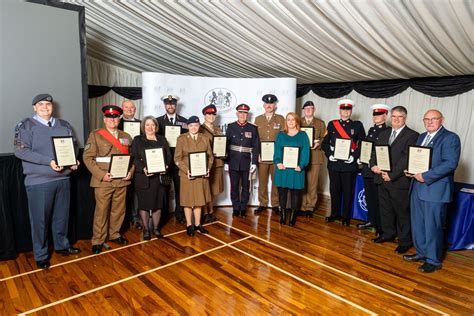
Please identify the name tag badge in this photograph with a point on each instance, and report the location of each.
(248, 134)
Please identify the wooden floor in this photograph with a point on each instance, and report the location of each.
(251, 266)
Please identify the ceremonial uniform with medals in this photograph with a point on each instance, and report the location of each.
(176, 120)
(268, 130)
(110, 196)
(310, 192)
(342, 174)
(243, 149)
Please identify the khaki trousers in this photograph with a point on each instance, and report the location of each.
(266, 171)
(310, 193)
(109, 213)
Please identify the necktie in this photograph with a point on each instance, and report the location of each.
(49, 124)
(427, 140)
(171, 120)
(392, 137)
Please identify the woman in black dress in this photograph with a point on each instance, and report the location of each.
(150, 192)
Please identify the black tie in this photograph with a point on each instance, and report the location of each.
(49, 123)
(171, 120)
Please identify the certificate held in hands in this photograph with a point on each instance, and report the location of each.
(63, 148)
(219, 146)
(171, 134)
(267, 149)
(309, 130)
(419, 159)
(198, 164)
(365, 151)
(291, 156)
(132, 128)
(155, 160)
(382, 153)
(342, 149)
(119, 165)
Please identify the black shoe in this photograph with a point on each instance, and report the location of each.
(69, 251)
(209, 218)
(309, 213)
(414, 258)
(330, 219)
(276, 210)
(121, 241)
(346, 222)
(138, 225)
(43, 264)
(243, 214)
(180, 220)
(235, 213)
(190, 230)
(364, 226)
(146, 235)
(282, 216)
(201, 229)
(382, 239)
(402, 249)
(157, 233)
(97, 248)
(428, 267)
(260, 209)
(293, 216)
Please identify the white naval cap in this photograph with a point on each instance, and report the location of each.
(346, 104)
(378, 109)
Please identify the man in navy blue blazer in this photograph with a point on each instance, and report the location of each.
(432, 191)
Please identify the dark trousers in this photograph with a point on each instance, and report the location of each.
(395, 214)
(294, 197)
(239, 189)
(372, 200)
(341, 183)
(49, 202)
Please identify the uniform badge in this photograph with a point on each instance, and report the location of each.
(248, 134)
(87, 146)
(352, 131)
(123, 141)
(276, 126)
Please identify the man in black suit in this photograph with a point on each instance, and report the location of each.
(171, 118)
(392, 185)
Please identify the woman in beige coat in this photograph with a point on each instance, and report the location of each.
(194, 191)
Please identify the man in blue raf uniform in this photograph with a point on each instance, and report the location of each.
(342, 173)
(243, 145)
(379, 115)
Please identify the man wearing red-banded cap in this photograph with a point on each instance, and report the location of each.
(342, 170)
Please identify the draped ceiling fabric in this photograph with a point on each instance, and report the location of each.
(313, 41)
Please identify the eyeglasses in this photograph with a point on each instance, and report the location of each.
(426, 120)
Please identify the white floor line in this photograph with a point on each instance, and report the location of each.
(93, 255)
(129, 278)
(295, 276)
(340, 272)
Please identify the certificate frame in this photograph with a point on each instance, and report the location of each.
(419, 159)
(132, 128)
(342, 149)
(310, 131)
(197, 163)
(119, 165)
(155, 165)
(267, 150)
(219, 146)
(172, 133)
(291, 156)
(366, 148)
(63, 149)
(384, 159)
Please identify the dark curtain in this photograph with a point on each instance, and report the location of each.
(130, 93)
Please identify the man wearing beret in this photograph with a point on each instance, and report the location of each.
(171, 118)
(47, 184)
(342, 173)
(110, 193)
(243, 143)
(269, 125)
(310, 192)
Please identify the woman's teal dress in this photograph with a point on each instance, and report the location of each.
(289, 178)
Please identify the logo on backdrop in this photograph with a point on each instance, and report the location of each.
(223, 99)
(361, 200)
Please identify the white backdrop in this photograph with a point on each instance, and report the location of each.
(197, 92)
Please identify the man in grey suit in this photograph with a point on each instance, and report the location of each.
(393, 185)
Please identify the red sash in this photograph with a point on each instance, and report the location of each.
(114, 141)
(343, 133)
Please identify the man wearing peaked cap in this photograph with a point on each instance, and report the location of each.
(243, 108)
(171, 118)
(379, 115)
(269, 124)
(110, 193)
(210, 109)
(342, 172)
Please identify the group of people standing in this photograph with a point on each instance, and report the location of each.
(293, 169)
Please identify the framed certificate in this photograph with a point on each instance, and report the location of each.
(198, 163)
(155, 160)
(119, 165)
(219, 146)
(172, 133)
(419, 159)
(267, 150)
(291, 155)
(63, 149)
(310, 131)
(342, 149)
(365, 151)
(132, 128)
(382, 153)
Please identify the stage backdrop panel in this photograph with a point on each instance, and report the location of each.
(227, 93)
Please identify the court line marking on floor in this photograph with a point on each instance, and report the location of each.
(340, 271)
(297, 278)
(94, 255)
(70, 298)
